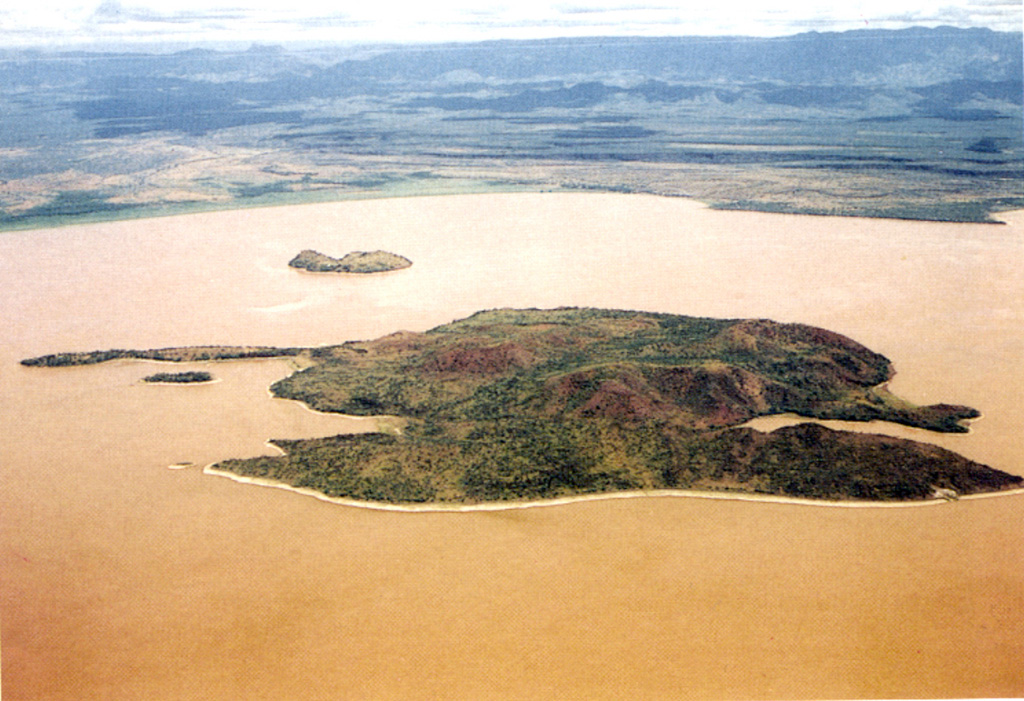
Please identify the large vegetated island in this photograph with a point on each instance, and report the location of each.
(535, 404)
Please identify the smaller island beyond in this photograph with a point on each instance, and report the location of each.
(180, 378)
(354, 262)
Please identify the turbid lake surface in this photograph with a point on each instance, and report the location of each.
(123, 579)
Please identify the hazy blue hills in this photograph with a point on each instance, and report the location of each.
(945, 52)
(919, 123)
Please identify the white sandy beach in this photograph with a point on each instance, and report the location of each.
(511, 505)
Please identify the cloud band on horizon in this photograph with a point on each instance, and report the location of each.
(198, 21)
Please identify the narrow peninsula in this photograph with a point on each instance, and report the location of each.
(536, 404)
(188, 354)
(354, 262)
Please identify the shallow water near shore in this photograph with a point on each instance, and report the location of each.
(122, 579)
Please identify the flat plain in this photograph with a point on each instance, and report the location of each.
(913, 124)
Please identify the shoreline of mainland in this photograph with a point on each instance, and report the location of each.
(164, 210)
(292, 199)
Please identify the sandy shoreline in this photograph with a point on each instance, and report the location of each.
(562, 501)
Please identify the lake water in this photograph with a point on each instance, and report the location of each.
(120, 578)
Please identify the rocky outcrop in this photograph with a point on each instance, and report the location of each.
(354, 262)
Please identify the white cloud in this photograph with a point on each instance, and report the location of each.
(81, 21)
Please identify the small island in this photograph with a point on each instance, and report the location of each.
(531, 404)
(182, 378)
(354, 262)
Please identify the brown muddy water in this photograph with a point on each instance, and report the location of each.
(122, 579)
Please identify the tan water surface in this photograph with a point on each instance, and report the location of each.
(122, 579)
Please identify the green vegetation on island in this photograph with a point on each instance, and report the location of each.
(354, 262)
(531, 404)
(535, 404)
(192, 377)
(533, 458)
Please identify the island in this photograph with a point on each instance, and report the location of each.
(354, 262)
(182, 378)
(535, 404)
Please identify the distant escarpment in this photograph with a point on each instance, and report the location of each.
(525, 404)
(354, 262)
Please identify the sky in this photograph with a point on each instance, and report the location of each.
(83, 22)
